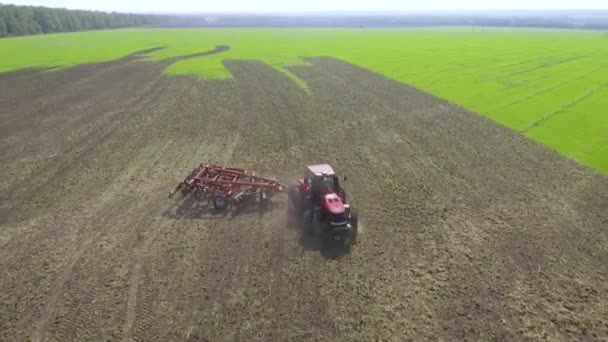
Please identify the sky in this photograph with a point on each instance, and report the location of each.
(257, 6)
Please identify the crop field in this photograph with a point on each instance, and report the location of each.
(549, 85)
(471, 230)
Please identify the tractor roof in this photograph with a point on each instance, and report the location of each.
(321, 170)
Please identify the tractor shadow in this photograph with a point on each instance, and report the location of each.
(251, 209)
(253, 206)
(191, 208)
(335, 249)
(329, 249)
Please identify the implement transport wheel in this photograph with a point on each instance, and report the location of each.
(264, 202)
(220, 202)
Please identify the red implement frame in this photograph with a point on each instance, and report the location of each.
(212, 181)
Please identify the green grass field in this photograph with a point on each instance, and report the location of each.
(551, 85)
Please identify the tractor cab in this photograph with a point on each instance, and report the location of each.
(320, 180)
(320, 202)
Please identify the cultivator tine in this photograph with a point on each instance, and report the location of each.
(209, 180)
(177, 188)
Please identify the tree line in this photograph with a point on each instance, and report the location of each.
(574, 19)
(28, 20)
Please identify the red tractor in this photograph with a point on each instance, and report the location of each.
(319, 203)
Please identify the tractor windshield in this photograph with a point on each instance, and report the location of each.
(324, 182)
(328, 181)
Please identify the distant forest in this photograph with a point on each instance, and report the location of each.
(27, 20)
(572, 19)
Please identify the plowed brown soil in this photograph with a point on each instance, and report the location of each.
(471, 231)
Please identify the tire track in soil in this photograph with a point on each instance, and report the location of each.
(52, 231)
(58, 286)
(133, 291)
(134, 285)
(444, 141)
(80, 321)
(274, 107)
(229, 277)
(106, 121)
(470, 228)
(65, 274)
(144, 299)
(137, 217)
(80, 82)
(99, 222)
(138, 272)
(210, 249)
(359, 273)
(143, 172)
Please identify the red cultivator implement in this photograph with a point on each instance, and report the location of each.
(224, 186)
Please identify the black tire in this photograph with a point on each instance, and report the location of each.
(354, 222)
(294, 199)
(306, 223)
(264, 203)
(198, 194)
(346, 239)
(220, 202)
(184, 191)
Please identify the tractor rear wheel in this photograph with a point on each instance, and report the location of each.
(307, 222)
(294, 199)
(354, 222)
(318, 225)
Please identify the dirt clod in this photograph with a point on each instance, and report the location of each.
(472, 232)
